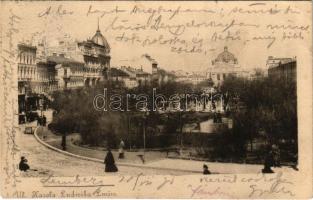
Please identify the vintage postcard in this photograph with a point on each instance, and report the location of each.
(156, 99)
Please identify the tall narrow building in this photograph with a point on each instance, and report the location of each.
(96, 55)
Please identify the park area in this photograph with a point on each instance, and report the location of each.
(156, 162)
(263, 113)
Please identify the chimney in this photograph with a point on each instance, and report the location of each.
(154, 68)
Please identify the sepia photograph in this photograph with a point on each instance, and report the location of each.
(139, 92)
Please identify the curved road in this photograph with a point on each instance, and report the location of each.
(45, 161)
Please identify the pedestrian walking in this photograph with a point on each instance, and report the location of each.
(110, 162)
(206, 170)
(121, 150)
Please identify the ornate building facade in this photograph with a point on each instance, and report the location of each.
(35, 79)
(225, 64)
(67, 64)
(96, 56)
(27, 74)
(81, 63)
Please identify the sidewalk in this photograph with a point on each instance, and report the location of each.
(214, 167)
(158, 160)
(48, 162)
(130, 157)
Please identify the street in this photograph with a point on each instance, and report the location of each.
(48, 162)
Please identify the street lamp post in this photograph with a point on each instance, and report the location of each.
(222, 109)
(144, 132)
(128, 131)
(63, 143)
(144, 139)
(181, 134)
(211, 91)
(41, 107)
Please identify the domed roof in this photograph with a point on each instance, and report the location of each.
(99, 39)
(226, 57)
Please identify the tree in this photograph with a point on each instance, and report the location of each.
(269, 104)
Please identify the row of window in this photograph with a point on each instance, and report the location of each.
(76, 83)
(81, 72)
(42, 88)
(26, 72)
(27, 59)
(223, 76)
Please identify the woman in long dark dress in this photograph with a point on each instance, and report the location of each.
(110, 163)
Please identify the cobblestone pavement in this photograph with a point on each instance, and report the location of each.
(46, 162)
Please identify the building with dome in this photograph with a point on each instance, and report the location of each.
(80, 63)
(225, 64)
(63, 63)
(96, 56)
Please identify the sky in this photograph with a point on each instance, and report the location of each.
(71, 18)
